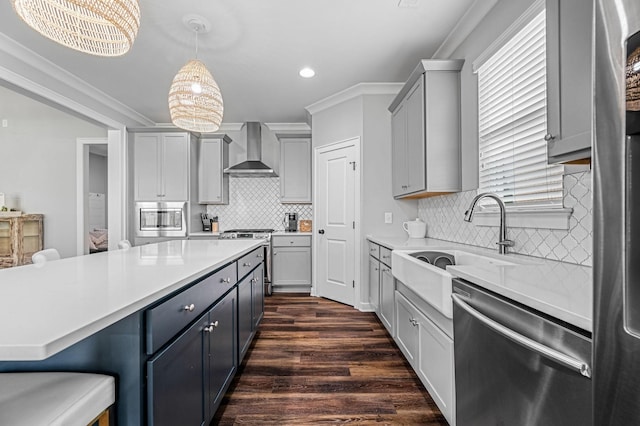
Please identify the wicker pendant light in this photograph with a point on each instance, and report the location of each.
(195, 102)
(98, 27)
(633, 81)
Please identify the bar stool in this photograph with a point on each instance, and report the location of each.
(55, 398)
(124, 244)
(45, 255)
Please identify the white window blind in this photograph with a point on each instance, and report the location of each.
(512, 123)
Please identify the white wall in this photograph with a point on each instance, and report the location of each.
(97, 173)
(38, 164)
(367, 117)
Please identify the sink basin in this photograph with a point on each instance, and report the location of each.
(425, 272)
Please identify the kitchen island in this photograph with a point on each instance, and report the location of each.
(87, 313)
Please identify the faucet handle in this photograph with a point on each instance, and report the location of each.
(506, 243)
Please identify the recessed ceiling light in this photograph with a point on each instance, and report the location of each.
(307, 72)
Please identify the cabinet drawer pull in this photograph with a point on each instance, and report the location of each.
(209, 328)
(190, 307)
(259, 256)
(225, 280)
(247, 264)
(413, 322)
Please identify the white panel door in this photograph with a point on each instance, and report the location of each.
(335, 216)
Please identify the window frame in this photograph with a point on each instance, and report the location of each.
(549, 217)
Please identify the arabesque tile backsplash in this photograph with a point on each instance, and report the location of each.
(444, 218)
(254, 203)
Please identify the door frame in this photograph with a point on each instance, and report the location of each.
(116, 188)
(345, 143)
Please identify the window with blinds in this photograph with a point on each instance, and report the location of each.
(512, 123)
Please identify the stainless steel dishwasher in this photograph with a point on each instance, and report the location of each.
(517, 366)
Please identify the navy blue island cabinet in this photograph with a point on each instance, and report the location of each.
(173, 360)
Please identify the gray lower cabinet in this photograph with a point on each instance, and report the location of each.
(200, 362)
(387, 294)
(429, 350)
(292, 263)
(374, 283)
(382, 285)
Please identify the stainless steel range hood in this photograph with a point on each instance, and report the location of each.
(253, 166)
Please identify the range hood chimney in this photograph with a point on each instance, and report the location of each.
(253, 166)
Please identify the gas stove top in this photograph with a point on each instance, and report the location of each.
(246, 234)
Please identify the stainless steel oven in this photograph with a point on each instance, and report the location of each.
(161, 219)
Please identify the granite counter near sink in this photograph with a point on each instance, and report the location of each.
(561, 290)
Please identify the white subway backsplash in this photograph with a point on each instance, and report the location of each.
(444, 218)
(254, 203)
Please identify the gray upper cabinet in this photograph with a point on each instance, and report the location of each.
(213, 158)
(569, 79)
(295, 169)
(161, 166)
(425, 131)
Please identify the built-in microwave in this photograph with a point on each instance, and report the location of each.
(161, 219)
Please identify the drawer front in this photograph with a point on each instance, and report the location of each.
(249, 262)
(291, 241)
(167, 319)
(385, 256)
(374, 250)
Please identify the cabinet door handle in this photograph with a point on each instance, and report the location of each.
(320, 231)
(209, 328)
(189, 308)
(259, 256)
(413, 322)
(225, 280)
(247, 264)
(549, 137)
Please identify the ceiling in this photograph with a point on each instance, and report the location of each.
(255, 48)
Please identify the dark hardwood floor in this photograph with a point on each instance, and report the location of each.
(317, 361)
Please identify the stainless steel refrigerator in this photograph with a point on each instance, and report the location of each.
(616, 214)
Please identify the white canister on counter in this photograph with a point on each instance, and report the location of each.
(415, 228)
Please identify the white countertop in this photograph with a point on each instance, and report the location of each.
(47, 308)
(561, 290)
(204, 234)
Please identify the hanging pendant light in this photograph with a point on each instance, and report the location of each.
(98, 27)
(633, 81)
(195, 101)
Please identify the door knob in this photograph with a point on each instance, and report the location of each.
(320, 231)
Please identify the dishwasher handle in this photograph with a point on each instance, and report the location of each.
(550, 353)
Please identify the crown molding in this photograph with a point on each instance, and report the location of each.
(289, 127)
(463, 28)
(352, 92)
(61, 86)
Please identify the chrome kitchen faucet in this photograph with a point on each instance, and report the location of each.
(503, 243)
